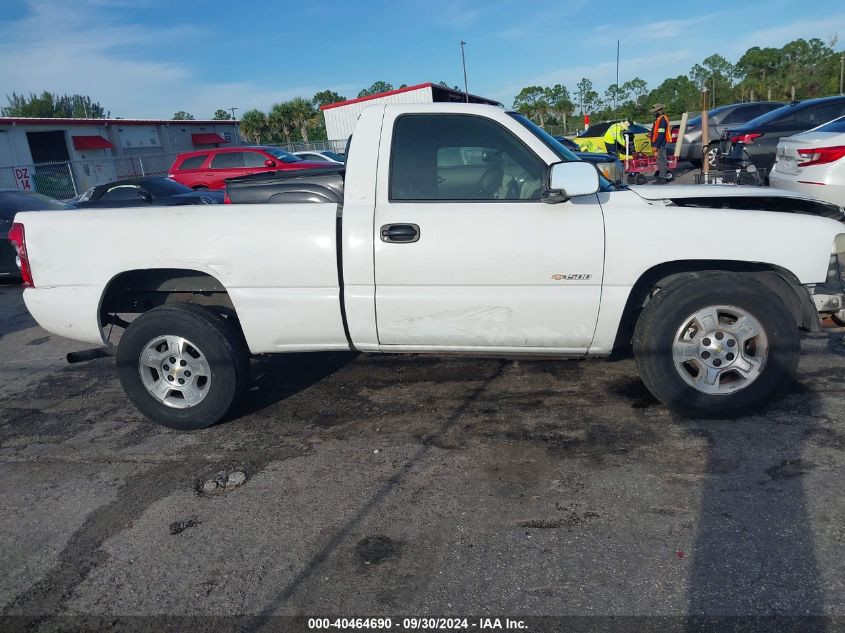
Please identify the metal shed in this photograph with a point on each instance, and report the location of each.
(342, 116)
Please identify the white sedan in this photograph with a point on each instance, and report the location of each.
(813, 163)
(321, 155)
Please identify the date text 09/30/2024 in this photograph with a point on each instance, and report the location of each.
(414, 624)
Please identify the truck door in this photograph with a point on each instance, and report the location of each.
(466, 254)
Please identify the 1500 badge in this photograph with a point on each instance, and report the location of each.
(572, 276)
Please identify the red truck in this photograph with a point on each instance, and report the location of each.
(209, 169)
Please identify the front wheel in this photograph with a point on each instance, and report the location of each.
(716, 345)
(182, 365)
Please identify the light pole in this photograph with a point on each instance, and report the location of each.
(464, 62)
(841, 72)
(233, 108)
(616, 92)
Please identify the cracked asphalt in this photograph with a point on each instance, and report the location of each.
(410, 485)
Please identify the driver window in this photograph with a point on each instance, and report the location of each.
(460, 157)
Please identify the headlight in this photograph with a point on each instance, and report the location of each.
(836, 270)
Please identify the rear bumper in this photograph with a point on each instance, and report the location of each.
(67, 311)
(829, 193)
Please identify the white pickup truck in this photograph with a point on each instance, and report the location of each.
(461, 229)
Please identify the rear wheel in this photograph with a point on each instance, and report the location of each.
(716, 345)
(200, 188)
(711, 155)
(183, 365)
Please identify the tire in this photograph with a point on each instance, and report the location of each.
(200, 188)
(212, 346)
(711, 155)
(676, 346)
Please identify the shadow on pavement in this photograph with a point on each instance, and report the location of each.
(13, 313)
(754, 560)
(275, 378)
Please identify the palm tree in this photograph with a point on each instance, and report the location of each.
(302, 115)
(254, 125)
(281, 119)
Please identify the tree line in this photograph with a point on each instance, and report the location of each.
(298, 119)
(809, 67)
(48, 105)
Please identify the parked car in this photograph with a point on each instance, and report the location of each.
(464, 228)
(148, 191)
(813, 163)
(320, 155)
(209, 169)
(11, 202)
(756, 141)
(719, 119)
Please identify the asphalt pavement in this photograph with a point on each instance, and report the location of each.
(385, 485)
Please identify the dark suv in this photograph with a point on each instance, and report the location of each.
(720, 119)
(757, 140)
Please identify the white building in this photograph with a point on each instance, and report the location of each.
(342, 116)
(62, 157)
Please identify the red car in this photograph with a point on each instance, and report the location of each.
(209, 169)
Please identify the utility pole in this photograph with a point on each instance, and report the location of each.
(233, 108)
(705, 134)
(841, 72)
(464, 62)
(616, 92)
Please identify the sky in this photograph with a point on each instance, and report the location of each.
(150, 58)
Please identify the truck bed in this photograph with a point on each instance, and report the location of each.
(312, 185)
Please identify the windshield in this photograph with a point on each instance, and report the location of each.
(282, 155)
(161, 187)
(774, 115)
(553, 144)
(333, 156)
(837, 125)
(696, 121)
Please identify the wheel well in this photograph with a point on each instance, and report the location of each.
(136, 291)
(781, 281)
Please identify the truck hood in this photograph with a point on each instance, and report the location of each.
(738, 197)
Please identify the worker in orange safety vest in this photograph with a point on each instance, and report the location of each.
(660, 138)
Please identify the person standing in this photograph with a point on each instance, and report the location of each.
(660, 137)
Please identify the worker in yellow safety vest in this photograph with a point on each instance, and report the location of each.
(614, 138)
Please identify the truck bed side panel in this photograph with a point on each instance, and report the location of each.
(277, 263)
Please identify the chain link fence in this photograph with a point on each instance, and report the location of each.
(337, 146)
(70, 178)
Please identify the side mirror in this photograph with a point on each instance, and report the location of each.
(269, 163)
(145, 195)
(570, 180)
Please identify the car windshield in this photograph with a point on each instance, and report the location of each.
(553, 144)
(837, 125)
(776, 114)
(161, 187)
(12, 202)
(282, 155)
(695, 121)
(333, 156)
